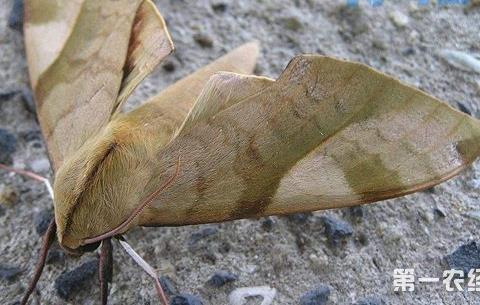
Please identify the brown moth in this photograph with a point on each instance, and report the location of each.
(217, 146)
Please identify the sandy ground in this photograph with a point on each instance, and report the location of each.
(289, 254)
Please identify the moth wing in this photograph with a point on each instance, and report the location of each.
(150, 43)
(171, 106)
(327, 134)
(85, 58)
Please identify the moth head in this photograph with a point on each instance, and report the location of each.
(99, 186)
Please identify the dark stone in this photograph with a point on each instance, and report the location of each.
(168, 286)
(15, 20)
(55, 256)
(219, 7)
(2, 211)
(71, 281)
(169, 66)
(221, 278)
(9, 273)
(336, 229)
(7, 95)
(465, 258)
(371, 301)
(463, 108)
(201, 234)
(8, 145)
(203, 40)
(317, 296)
(41, 220)
(408, 51)
(439, 213)
(267, 224)
(185, 299)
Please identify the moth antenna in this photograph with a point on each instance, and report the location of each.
(146, 267)
(48, 239)
(136, 212)
(105, 269)
(30, 175)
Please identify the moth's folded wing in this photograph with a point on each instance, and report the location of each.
(326, 134)
(150, 43)
(82, 55)
(173, 104)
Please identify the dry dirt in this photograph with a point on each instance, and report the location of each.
(289, 254)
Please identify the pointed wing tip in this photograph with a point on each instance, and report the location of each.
(247, 55)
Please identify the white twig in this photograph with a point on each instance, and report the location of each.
(31, 175)
(146, 267)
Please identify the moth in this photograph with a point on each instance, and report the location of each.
(221, 144)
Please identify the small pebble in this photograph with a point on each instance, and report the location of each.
(370, 301)
(439, 212)
(55, 256)
(9, 273)
(41, 221)
(70, 282)
(317, 296)
(8, 195)
(7, 95)
(167, 285)
(465, 257)
(292, 23)
(461, 60)
(15, 20)
(220, 278)
(169, 66)
(2, 211)
(201, 234)
(203, 40)
(408, 51)
(336, 229)
(267, 224)
(399, 19)
(463, 108)
(40, 165)
(186, 299)
(240, 295)
(8, 145)
(219, 7)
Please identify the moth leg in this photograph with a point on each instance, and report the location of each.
(146, 267)
(105, 269)
(48, 239)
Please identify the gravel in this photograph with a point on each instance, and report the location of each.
(398, 237)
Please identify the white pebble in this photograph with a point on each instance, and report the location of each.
(239, 295)
(40, 165)
(399, 19)
(461, 60)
